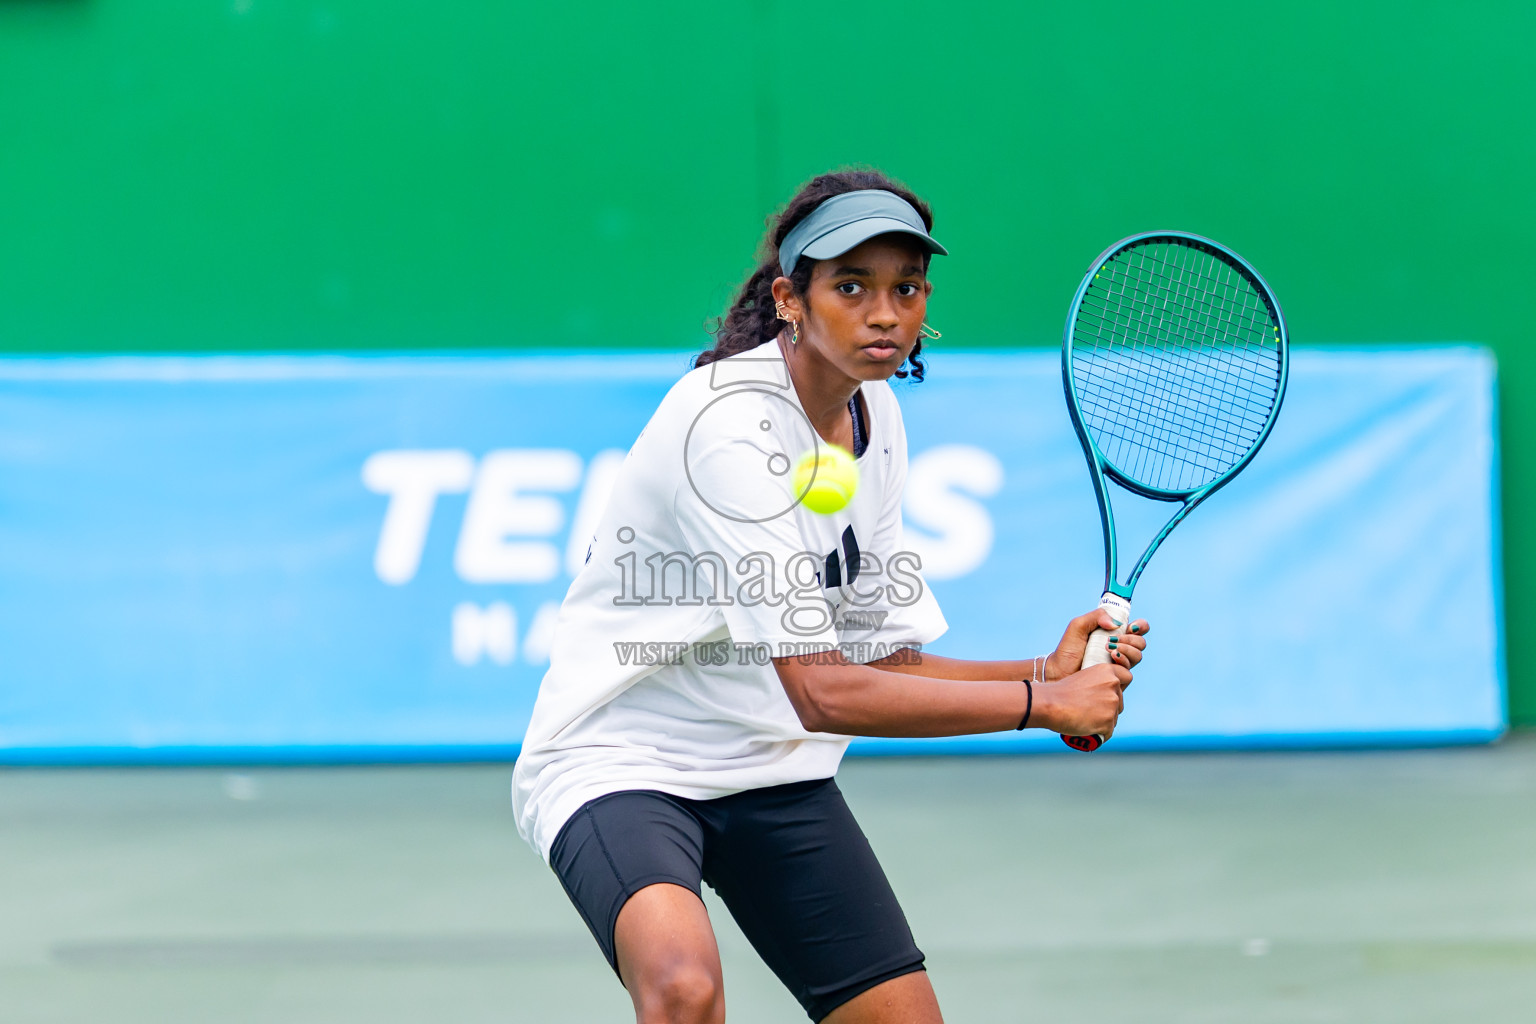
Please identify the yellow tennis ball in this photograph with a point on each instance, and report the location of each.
(825, 478)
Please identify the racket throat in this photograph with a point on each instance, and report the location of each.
(1131, 519)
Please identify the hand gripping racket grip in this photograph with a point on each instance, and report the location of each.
(1097, 653)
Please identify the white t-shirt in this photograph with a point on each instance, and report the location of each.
(704, 567)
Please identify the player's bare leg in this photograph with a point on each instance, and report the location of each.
(668, 959)
(907, 999)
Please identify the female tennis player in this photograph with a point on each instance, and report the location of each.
(723, 643)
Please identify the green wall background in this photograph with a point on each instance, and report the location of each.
(266, 175)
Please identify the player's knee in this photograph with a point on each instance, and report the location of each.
(682, 994)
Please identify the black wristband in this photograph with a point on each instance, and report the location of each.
(1029, 705)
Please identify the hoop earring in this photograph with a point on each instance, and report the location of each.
(928, 332)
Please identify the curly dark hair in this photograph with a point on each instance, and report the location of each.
(751, 320)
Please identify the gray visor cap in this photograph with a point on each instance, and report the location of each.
(847, 221)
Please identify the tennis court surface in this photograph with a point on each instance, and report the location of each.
(1379, 886)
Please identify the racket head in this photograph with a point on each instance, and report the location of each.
(1175, 361)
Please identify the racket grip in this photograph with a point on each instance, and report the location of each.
(1097, 653)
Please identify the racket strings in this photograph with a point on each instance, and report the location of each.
(1129, 306)
(1176, 364)
(1161, 377)
(1161, 438)
(1172, 421)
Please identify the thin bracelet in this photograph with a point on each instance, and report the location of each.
(1037, 673)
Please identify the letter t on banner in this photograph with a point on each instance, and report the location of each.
(413, 480)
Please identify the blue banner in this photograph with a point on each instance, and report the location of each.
(273, 558)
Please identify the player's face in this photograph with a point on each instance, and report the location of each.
(863, 309)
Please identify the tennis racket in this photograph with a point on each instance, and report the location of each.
(1174, 363)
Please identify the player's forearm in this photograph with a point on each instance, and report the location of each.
(860, 700)
(914, 662)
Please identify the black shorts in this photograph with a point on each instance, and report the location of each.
(789, 862)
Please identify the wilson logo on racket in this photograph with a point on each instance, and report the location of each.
(1174, 362)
